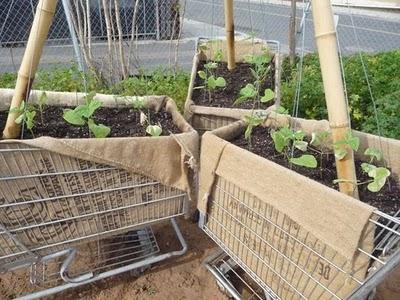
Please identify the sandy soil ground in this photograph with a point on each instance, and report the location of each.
(177, 278)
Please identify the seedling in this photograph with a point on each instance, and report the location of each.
(252, 121)
(82, 115)
(259, 70)
(26, 116)
(154, 130)
(378, 175)
(349, 140)
(42, 103)
(210, 81)
(284, 138)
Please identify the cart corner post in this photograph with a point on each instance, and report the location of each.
(230, 34)
(40, 28)
(326, 40)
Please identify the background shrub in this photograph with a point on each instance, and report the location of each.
(384, 76)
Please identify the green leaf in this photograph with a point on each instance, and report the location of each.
(72, 117)
(19, 109)
(299, 135)
(154, 130)
(281, 110)
(249, 91)
(211, 65)
(211, 83)
(340, 153)
(374, 153)
(220, 82)
(202, 74)
(379, 175)
(279, 140)
(268, 96)
(219, 55)
(367, 167)
(91, 108)
(100, 130)
(305, 160)
(30, 119)
(301, 145)
(352, 141)
(20, 119)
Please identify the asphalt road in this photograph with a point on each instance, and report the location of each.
(268, 21)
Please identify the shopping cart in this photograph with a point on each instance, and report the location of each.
(53, 207)
(232, 279)
(286, 261)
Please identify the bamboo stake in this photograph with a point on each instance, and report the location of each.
(325, 36)
(230, 34)
(40, 28)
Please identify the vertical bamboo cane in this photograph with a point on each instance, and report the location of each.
(230, 34)
(325, 36)
(37, 37)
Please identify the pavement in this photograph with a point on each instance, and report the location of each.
(379, 31)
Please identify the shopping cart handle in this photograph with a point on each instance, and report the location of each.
(64, 270)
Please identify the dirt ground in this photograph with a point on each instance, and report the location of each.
(177, 278)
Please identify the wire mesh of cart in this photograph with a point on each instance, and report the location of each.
(284, 259)
(232, 279)
(52, 205)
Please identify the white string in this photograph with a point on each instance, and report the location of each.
(366, 77)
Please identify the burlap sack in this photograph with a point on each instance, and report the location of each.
(205, 118)
(160, 168)
(265, 214)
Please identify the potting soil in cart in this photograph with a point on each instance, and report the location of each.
(236, 79)
(112, 178)
(279, 224)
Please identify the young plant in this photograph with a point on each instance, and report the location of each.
(349, 140)
(378, 175)
(210, 81)
(82, 115)
(259, 69)
(252, 121)
(285, 138)
(42, 103)
(26, 116)
(154, 130)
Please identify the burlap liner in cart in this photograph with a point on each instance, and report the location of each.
(205, 118)
(324, 218)
(170, 160)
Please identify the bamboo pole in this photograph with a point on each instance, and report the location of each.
(37, 37)
(230, 34)
(326, 40)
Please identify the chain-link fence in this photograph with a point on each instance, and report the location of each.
(120, 37)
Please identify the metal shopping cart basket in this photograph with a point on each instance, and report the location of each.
(294, 265)
(69, 222)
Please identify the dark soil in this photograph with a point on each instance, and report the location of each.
(3, 119)
(124, 122)
(235, 81)
(386, 200)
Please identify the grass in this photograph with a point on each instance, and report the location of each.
(158, 82)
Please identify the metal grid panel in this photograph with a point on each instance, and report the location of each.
(97, 256)
(281, 256)
(232, 279)
(49, 201)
